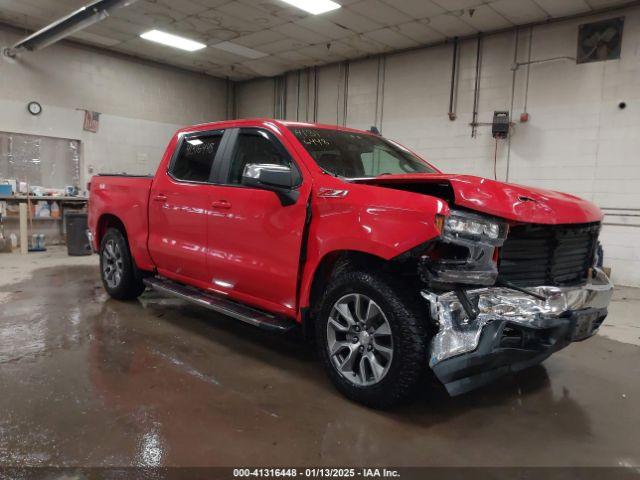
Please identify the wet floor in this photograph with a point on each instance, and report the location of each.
(89, 381)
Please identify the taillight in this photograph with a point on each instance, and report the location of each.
(89, 186)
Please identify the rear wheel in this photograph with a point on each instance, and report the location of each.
(120, 277)
(371, 338)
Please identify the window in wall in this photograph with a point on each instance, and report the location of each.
(256, 146)
(196, 156)
(40, 161)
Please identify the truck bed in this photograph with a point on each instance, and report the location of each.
(126, 197)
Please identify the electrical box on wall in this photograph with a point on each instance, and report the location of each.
(500, 125)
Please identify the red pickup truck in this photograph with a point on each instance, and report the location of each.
(391, 267)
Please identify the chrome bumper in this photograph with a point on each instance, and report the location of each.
(459, 335)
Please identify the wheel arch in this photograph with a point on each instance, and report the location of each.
(329, 265)
(107, 221)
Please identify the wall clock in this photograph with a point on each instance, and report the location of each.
(34, 108)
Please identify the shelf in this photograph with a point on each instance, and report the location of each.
(17, 218)
(33, 198)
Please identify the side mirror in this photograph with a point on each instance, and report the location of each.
(276, 178)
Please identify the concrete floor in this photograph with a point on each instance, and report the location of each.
(89, 381)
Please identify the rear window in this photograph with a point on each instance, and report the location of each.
(195, 158)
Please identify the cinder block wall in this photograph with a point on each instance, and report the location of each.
(142, 103)
(577, 139)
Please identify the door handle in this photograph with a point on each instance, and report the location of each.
(161, 197)
(221, 204)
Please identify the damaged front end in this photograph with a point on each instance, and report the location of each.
(489, 326)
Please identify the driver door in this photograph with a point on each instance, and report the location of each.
(254, 241)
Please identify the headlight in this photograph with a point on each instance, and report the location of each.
(474, 227)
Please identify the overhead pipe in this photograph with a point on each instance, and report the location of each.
(384, 78)
(65, 26)
(454, 69)
(513, 96)
(517, 65)
(315, 94)
(476, 91)
(345, 98)
(308, 94)
(377, 104)
(298, 96)
(285, 81)
(231, 106)
(526, 89)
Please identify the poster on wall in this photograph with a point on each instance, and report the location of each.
(91, 121)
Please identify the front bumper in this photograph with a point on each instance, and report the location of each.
(512, 331)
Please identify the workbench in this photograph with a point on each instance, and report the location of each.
(25, 217)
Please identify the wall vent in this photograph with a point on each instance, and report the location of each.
(600, 41)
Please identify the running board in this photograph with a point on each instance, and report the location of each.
(220, 304)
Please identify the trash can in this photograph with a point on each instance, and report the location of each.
(77, 241)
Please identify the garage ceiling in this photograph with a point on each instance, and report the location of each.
(289, 37)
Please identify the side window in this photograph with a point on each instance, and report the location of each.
(196, 156)
(256, 146)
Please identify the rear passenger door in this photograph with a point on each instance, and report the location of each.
(179, 205)
(254, 241)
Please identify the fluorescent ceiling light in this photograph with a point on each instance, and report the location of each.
(239, 50)
(314, 6)
(172, 40)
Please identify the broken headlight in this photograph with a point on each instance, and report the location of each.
(466, 252)
(460, 225)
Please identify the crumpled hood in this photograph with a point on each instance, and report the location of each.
(505, 200)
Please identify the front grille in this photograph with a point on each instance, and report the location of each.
(553, 255)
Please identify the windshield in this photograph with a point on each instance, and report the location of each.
(357, 155)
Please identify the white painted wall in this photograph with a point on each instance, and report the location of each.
(142, 103)
(577, 139)
(256, 99)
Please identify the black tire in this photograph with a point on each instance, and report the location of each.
(127, 284)
(405, 315)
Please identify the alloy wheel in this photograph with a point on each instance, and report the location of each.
(112, 264)
(359, 339)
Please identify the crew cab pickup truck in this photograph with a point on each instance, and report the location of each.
(391, 267)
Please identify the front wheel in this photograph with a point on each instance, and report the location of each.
(119, 275)
(372, 339)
